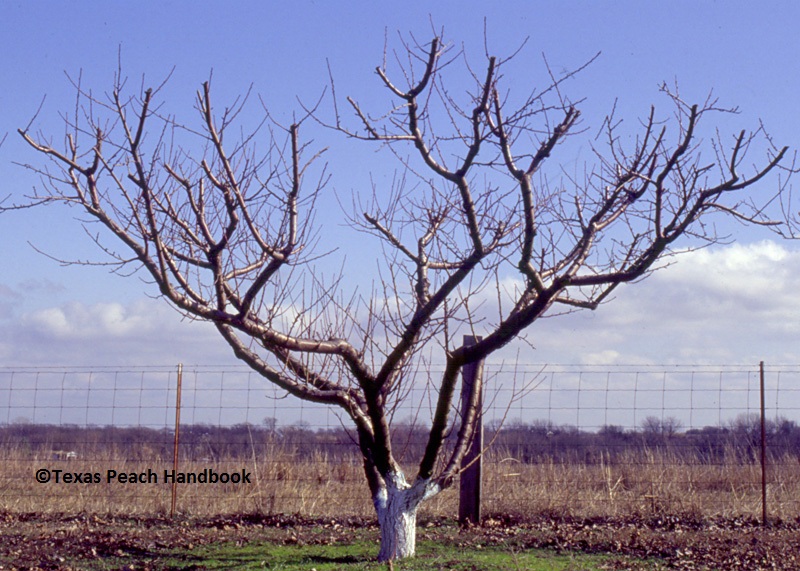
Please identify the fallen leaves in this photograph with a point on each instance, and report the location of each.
(683, 543)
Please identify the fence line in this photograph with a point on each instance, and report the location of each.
(588, 397)
(594, 439)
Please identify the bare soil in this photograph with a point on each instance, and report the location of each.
(60, 543)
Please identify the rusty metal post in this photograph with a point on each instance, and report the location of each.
(469, 505)
(177, 441)
(763, 448)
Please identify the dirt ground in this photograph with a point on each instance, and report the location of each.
(37, 542)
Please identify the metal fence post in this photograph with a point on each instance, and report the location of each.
(469, 505)
(763, 448)
(177, 441)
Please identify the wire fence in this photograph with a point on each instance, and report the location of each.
(590, 440)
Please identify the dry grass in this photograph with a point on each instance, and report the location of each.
(646, 483)
(635, 482)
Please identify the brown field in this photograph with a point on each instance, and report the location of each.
(647, 509)
(635, 482)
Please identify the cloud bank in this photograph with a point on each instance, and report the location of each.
(725, 305)
(143, 333)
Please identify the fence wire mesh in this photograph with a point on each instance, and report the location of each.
(585, 440)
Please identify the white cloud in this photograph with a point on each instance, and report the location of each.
(731, 304)
(751, 273)
(145, 332)
(78, 321)
(52, 321)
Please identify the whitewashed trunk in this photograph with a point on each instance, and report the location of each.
(396, 506)
(398, 523)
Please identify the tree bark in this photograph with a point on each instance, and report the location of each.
(396, 506)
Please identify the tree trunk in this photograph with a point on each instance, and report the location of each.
(398, 523)
(396, 506)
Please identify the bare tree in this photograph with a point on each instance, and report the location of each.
(653, 426)
(476, 237)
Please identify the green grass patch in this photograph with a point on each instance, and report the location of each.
(328, 547)
(360, 555)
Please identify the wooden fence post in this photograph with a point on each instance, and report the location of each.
(469, 505)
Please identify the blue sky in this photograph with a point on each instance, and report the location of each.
(729, 304)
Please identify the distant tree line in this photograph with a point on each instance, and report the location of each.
(539, 441)
(736, 441)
